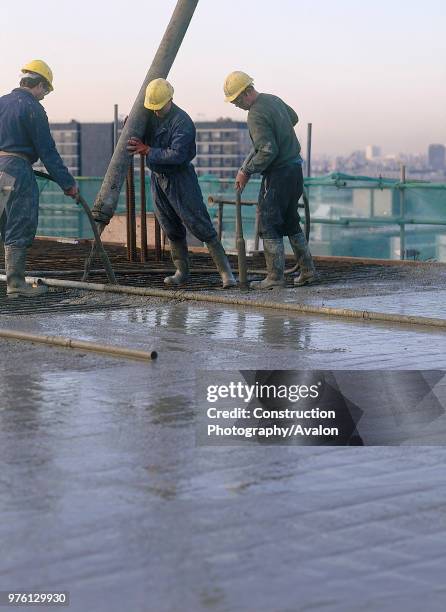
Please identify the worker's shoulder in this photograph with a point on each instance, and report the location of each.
(266, 102)
(264, 107)
(180, 117)
(24, 103)
(13, 98)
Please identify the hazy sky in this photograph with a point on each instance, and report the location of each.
(361, 72)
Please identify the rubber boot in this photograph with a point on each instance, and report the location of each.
(221, 262)
(275, 265)
(307, 271)
(15, 262)
(180, 258)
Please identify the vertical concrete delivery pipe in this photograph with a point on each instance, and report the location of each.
(107, 198)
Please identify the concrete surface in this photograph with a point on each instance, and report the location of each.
(104, 493)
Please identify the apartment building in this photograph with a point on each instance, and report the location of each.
(87, 148)
(222, 146)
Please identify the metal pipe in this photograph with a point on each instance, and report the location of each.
(131, 271)
(163, 243)
(142, 192)
(131, 248)
(221, 200)
(257, 230)
(377, 221)
(157, 240)
(127, 218)
(194, 296)
(107, 198)
(108, 349)
(240, 242)
(220, 220)
(308, 160)
(402, 213)
(306, 192)
(115, 126)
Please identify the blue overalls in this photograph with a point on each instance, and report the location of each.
(24, 130)
(176, 194)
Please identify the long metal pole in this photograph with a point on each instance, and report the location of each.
(308, 173)
(157, 229)
(241, 248)
(131, 211)
(220, 221)
(198, 296)
(308, 160)
(107, 198)
(115, 127)
(257, 230)
(142, 192)
(402, 214)
(127, 218)
(83, 345)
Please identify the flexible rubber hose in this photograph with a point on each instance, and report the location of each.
(97, 238)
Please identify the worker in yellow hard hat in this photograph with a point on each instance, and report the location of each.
(276, 155)
(24, 138)
(169, 148)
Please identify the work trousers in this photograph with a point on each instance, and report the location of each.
(178, 204)
(19, 202)
(280, 191)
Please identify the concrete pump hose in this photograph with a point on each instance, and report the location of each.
(97, 238)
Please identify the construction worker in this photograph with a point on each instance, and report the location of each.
(24, 138)
(177, 196)
(276, 155)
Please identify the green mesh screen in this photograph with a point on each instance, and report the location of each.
(350, 215)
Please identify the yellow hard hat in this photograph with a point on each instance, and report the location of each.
(158, 94)
(235, 83)
(42, 68)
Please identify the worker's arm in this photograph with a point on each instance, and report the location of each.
(242, 178)
(179, 148)
(248, 158)
(39, 132)
(264, 143)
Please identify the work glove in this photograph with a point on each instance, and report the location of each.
(72, 192)
(135, 145)
(241, 180)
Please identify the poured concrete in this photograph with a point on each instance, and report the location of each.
(104, 493)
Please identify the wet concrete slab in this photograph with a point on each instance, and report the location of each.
(427, 303)
(104, 492)
(406, 288)
(426, 300)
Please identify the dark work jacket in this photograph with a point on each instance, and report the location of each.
(271, 128)
(24, 129)
(172, 141)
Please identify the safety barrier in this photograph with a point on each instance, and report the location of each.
(350, 215)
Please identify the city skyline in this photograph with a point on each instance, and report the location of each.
(359, 74)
